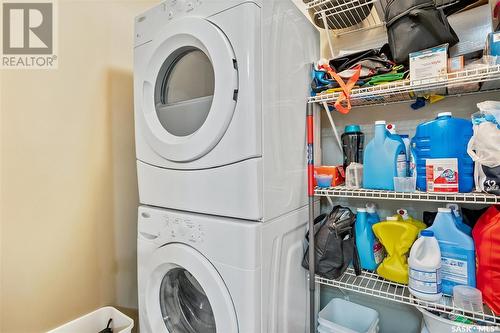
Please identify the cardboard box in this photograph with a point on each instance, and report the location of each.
(442, 175)
(429, 64)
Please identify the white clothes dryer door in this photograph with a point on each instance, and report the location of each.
(185, 293)
(189, 90)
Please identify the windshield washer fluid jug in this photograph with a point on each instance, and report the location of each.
(384, 159)
(444, 137)
(458, 265)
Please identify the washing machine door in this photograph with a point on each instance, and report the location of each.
(189, 89)
(186, 294)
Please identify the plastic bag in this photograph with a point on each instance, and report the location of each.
(484, 147)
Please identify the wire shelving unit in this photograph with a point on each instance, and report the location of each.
(407, 90)
(344, 192)
(370, 283)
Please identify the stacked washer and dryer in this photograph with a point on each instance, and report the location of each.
(220, 90)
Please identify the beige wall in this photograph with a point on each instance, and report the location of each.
(68, 183)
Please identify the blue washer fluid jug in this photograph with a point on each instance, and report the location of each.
(444, 137)
(458, 263)
(384, 159)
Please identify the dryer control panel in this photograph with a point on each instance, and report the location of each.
(176, 8)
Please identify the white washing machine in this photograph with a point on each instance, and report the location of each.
(220, 101)
(205, 274)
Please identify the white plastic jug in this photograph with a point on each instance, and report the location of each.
(424, 268)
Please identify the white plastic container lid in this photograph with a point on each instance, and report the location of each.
(380, 122)
(361, 210)
(444, 210)
(445, 114)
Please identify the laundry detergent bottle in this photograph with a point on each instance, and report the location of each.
(384, 159)
(397, 237)
(458, 266)
(371, 252)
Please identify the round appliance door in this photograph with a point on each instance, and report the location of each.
(186, 294)
(189, 89)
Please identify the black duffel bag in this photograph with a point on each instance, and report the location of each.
(335, 246)
(414, 25)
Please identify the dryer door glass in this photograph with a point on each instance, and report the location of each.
(184, 91)
(184, 305)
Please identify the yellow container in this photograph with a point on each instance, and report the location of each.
(397, 237)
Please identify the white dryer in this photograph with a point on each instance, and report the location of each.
(220, 92)
(205, 274)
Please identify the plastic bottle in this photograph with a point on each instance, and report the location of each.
(444, 137)
(353, 141)
(384, 159)
(459, 221)
(425, 263)
(486, 235)
(404, 216)
(391, 128)
(369, 248)
(371, 210)
(458, 266)
(396, 237)
(406, 140)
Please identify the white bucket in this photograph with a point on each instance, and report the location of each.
(436, 324)
(96, 321)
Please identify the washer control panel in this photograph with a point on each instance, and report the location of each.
(176, 8)
(182, 229)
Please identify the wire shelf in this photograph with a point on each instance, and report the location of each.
(370, 283)
(344, 192)
(345, 16)
(406, 90)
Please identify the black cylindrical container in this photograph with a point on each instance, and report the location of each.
(353, 141)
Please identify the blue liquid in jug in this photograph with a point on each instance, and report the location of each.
(444, 137)
(384, 159)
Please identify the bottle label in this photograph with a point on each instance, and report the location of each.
(426, 282)
(402, 165)
(378, 251)
(454, 270)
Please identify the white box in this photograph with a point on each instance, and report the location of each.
(442, 175)
(429, 64)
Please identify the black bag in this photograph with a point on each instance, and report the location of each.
(335, 246)
(414, 25)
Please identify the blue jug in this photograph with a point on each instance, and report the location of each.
(458, 264)
(384, 159)
(371, 252)
(444, 137)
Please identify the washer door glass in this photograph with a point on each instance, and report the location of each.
(184, 305)
(184, 91)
